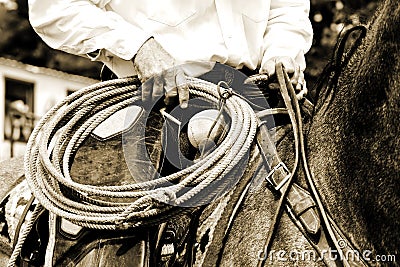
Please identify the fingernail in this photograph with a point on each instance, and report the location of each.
(184, 104)
(249, 80)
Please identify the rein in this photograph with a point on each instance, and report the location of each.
(288, 94)
(331, 231)
(331, 73)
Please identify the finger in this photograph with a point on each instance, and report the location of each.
(170, 86)
(158, 88)
(170, 96)
(302, 94)
(288, 64)
(300, 81)
(296, 75)
(147, 88)
(274, 86)
(257, 79)
(269, 67)
(299, 86)
(183, 88)
(303, 90)
(291, 68)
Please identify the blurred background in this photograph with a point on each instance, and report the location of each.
(34, 77)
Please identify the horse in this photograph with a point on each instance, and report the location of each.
(353, 153)
(353, 156)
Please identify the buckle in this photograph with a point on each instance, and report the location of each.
(280, 165)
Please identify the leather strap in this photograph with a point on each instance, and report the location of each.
(323, 246)
(301, 207)
(330, 235)
(298, 199)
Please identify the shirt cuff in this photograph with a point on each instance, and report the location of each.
(298, 56)
(123, 43)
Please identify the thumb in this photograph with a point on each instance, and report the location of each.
(269, 67)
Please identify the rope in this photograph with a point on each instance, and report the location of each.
(23, 235)
(62, 130)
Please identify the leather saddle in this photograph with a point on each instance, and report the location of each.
(125, 148)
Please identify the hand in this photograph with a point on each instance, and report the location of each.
(292, 69)
(159, 73)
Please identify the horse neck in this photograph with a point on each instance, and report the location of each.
(354, 141)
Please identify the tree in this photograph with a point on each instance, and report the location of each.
(20, 42)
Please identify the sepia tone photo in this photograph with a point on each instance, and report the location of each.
(199, 133)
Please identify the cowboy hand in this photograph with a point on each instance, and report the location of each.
(159, 73)
(292, 68)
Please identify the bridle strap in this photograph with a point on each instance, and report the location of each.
(293, 119)
(330, 233)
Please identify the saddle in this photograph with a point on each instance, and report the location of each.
(126, 149)
(115, 153)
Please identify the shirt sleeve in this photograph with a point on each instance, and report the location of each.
(289, 31)
(83, 26)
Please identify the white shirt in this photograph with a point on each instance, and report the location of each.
(235, 32)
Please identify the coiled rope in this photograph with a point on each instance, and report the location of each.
(67, 125)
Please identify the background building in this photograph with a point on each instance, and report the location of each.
(26, 93)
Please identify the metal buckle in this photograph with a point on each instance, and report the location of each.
(283, 182)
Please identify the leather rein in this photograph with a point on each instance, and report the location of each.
(304, 207)
(330, 239)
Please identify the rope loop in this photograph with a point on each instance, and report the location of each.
(67, 125)
(224, 92)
